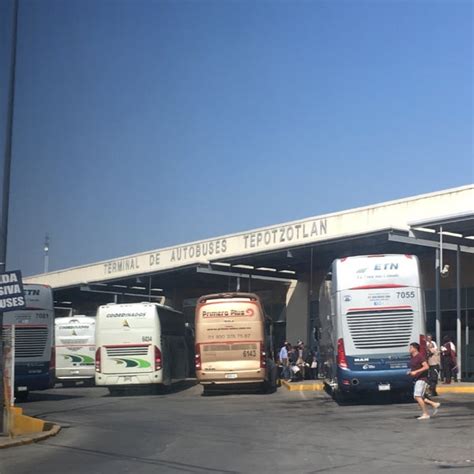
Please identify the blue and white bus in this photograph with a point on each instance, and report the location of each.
(33, 340)
(371, 309)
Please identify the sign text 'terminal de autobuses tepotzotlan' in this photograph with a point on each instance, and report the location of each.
(261, 239)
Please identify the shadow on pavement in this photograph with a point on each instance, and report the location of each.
(369, 399)
(244, 389)
(47, 396)
(151, 390)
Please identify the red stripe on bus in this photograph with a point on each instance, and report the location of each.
(76, 345)
(127, 345)
(370, 287)
(380, 308)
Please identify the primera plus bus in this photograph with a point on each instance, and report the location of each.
(371, 309)
(233, 341)
(75, 349)
(139, 344)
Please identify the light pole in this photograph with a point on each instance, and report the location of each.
(7, 157)
(46, 254)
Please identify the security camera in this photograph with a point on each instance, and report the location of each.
(445, 271)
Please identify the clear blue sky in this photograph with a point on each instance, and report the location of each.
(141, 124)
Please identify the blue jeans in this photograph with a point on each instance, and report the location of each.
(286, 372)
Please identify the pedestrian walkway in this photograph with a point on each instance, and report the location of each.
(456, 387)
(318, 385)
(304, 385)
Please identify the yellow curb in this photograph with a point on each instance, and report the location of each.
(300, 387)
(319, 386)
(25, 425)
(455, 389)
(29, 439)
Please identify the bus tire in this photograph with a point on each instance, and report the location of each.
(22, 396)
(268, 386)
(340, 397)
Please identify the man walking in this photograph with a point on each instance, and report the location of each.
(419, 371)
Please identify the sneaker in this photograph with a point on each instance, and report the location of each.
(424, 417)
(435, 408)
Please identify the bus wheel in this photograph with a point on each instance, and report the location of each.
(208, 390)
(22, 396)
(268, 386)
(340, 397)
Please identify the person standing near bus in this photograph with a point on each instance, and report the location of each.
(433, 363)
(419, 371)
(448, 359)
(301, 360)
(283, 356)
(312, 361)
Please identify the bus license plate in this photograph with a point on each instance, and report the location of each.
(383, 387)
(230, 376)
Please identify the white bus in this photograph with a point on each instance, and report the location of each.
(34, 365)
(371, 309)
(139, 344)
(74, 349)
(233, 342)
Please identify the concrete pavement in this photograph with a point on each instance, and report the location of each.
(185, 432)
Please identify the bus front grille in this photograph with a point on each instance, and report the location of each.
(380, 329)
(30, 342)
(126, 351)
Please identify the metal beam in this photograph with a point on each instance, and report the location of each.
(458, 315)
(428, 243)
(210, 271)
(125, 293)
(438, 298)
(452, 239)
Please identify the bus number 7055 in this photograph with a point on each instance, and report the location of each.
(405, 294)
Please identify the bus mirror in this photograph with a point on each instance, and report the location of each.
(329, 276)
